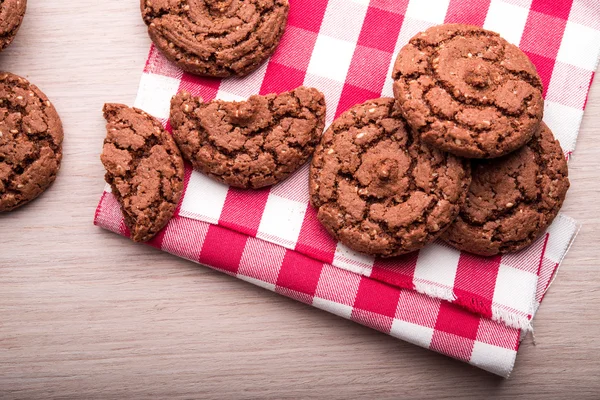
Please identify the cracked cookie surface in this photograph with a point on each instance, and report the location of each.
(379, 190)
(218, 38)
(512, 199)
(31, 136)
(144, 169)
(249, 144)
(11, 16)
(467, 91)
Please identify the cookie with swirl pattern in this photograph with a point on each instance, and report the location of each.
(218, 38)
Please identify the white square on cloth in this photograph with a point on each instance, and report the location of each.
(580, 46)
(487, 356)
(204, 198)
(282, 221)
(431, 11)
(412, 333)
(511, 281)
(331, 58)
(154, 94)
(507, 19)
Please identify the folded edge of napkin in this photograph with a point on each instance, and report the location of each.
(431, 323)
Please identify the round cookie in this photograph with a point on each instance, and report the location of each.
(144, 169)
(11, 16)
(512, 199)
(31, 136)
(380, 191)
(467, 91)
(218, 38)
(250, 144)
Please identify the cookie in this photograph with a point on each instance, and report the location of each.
(11, 16)
(467, 91)
(144, 169)
(31, 136)
(217, 38)
(512, 199)
(249, 144)
(378, 189)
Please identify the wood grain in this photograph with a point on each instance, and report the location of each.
(87, 314)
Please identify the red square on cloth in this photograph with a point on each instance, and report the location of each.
(417, 309)
(375, 35)
(352, 95)
(376, 297)
(373, 320)
(337, 285)
(314, 239)
(399, 271)
(452, 345)
(307, 14)
(498, 335)
(544, 67)
(155, 65)
(243, 210)
(542, 34)
(299, 273)
(470, 12)
(295, 48)
(280, 78)
(558, 9)
(457, 321)
(261, 261)
(206, 88)
(108, 214)
(475, 280)
(369, 69)
(184, 238)
(223, 249)
(393, 6)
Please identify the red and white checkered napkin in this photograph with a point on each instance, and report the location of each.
(470, 308)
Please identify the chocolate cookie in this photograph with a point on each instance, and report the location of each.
(249, 144)
(379, 190)
(467, 91)
(217, 38)
(31, 136)
(11, 16)
(512, 199)
(144, 169)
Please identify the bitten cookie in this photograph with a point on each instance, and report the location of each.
(249, 144)
(31, 136)
(512, 199)
(467, 91)
(379, 190)
(217, 38)
(11, 16)
(144, 169)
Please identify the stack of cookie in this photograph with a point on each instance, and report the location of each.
(460, 153)
(31, 132)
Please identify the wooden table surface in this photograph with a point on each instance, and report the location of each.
(87, 314)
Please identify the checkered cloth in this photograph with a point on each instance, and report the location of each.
(471, 308)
